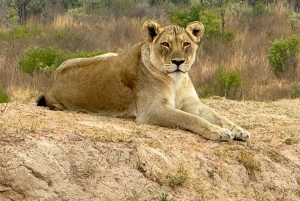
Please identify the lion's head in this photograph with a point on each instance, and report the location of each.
(173, 48)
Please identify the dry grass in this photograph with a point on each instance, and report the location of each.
(179, 177)
(247, 53)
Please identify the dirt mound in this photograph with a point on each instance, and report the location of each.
(48, 155)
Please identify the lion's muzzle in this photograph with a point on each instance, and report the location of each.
(177, 62)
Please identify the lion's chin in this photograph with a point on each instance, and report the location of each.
(175, 75)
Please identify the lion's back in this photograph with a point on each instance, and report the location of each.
(91, 84)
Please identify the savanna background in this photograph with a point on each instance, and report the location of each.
(250, 50)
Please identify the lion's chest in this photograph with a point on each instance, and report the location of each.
(179, 89)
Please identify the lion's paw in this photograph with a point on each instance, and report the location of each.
(240, 134)
(219, 134)
(226, 135)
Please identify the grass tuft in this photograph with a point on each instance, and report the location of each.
(247, 159)
(179, 177)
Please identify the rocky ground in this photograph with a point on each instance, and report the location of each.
(50, 155)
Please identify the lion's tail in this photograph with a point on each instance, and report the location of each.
(41, 101)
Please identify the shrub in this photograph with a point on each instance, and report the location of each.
(228, 36)
(3, 95)
(78, 14)
(212, 23)
(228, 80)
(209, 18)
(294, 20)
(37, 59)
(282, 54)
(184, 16)
(24, 32)
(259, 9)
(20, 32)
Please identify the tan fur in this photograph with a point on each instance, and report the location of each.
(149, 82)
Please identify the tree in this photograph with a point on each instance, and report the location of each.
(24, 8)
(21, 7)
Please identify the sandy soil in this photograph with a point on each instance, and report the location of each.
(51, 155)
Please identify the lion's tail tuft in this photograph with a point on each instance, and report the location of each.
(41, 101)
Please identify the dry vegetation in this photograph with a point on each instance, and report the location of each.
(247, 53)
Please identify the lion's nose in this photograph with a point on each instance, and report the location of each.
(178, 62)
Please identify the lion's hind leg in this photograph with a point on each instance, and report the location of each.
(57, 107)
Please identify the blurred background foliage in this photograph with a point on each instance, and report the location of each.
(250, 49)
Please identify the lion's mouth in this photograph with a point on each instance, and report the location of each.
(178, 70)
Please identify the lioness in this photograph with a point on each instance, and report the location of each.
(149, 82)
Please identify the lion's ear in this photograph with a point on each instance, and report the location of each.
(152, 29)
(196, 30)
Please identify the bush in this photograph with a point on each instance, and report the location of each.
(184, 16)
(21, 32)
(37, 59)
(212, 23)
(282, 54)
(3, 95)
(294, 20)
(24, 32)
(78, 14)
(228, 36)
(224, 83)
(209, 17)
(259, 9)
(228, 80)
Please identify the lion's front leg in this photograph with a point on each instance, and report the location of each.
(170, 117)
(198, 108)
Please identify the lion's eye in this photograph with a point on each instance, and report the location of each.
(165, 44)
(186, 44)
